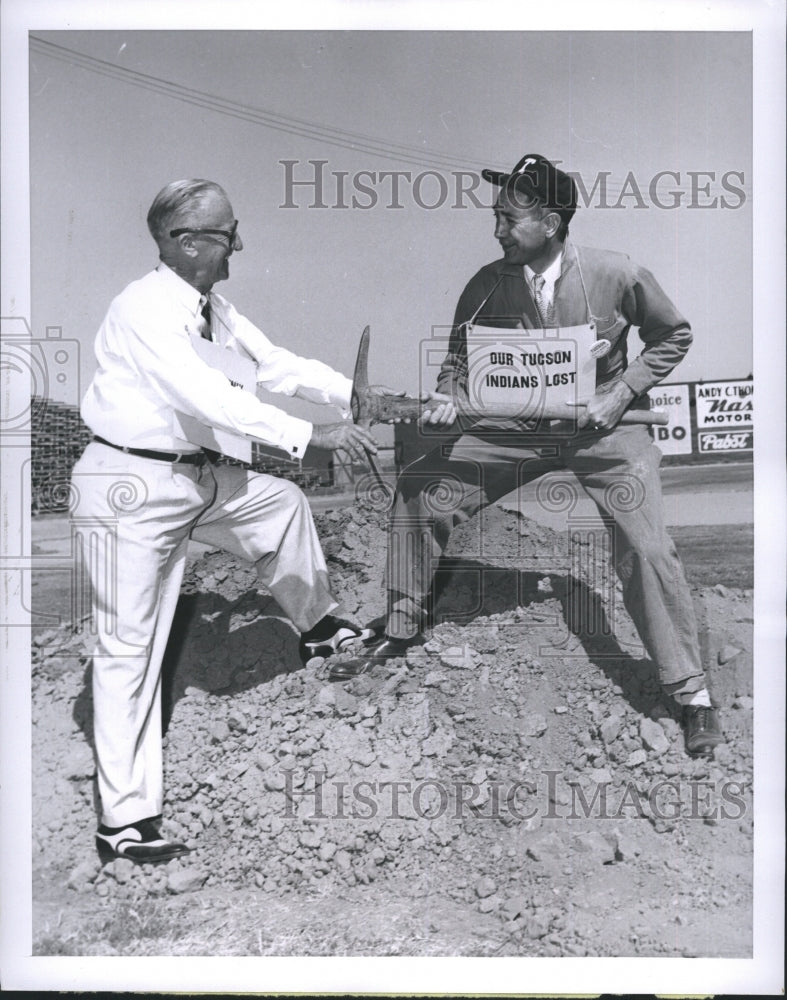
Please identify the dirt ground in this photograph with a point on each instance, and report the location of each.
(518, 786)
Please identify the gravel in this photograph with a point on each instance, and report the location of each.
(475, 760)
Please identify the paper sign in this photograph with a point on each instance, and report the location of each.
(532, 369)
(242, 373)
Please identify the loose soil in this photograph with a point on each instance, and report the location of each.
(517, 786)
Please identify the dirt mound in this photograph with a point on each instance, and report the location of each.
(521, 765)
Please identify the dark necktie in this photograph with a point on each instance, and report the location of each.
(206, 315)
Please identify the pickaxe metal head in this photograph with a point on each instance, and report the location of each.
(369, 407)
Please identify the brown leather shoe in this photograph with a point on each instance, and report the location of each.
(375, 655)
(702, 730)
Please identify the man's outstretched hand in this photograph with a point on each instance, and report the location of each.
(344, 436)
(383, 390)
(439, 409)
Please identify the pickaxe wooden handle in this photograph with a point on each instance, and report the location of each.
(370, 408)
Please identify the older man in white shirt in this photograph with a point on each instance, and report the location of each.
(141, 490)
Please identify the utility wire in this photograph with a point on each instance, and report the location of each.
(283, 123)
(357, 141)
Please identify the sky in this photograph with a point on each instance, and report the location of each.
(146, 107)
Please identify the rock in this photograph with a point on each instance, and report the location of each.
(560, 710)
(600, 775)
(311, 837)
(516, 906)
(327, 850)
(652, 735)
(459, 657)
(121, 870)
(744, 702)
(594, 844)
(486, 640)
(79, 762)
(438, 744)
(342, 861)
(721, 590)
(345, 703)
(327, 695)
(308, 747)
(727, 653)
(636, 758)
(415, 656)
(364, 685)
(485, 887)
(364, 756)
(274, 781)
(610, 729)
(536, 927)
(185, 880)
(626, 848)
(435, 678)
(84, 875)
(237, 721)
(218, 731)
(550, 847)
(265, 761)
(535, 725)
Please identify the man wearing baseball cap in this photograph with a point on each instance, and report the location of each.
(545, 284)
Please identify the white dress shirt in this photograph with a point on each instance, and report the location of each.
(147, 369)
(550, 277)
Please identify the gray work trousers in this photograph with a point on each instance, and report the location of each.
(619, 470)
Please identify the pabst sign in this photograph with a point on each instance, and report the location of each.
(743, 441)
(725, 405)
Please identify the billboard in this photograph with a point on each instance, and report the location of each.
(675, 438)
(724, 404)
(725, 416)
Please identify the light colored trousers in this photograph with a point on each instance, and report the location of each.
(618, 470)
(132, 518)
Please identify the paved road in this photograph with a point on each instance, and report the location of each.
(693, 495)
(698, 494)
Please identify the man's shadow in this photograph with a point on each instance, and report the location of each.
(226, 647)
(218, 646)
(465, 590)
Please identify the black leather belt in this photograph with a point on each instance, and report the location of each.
(187, 458)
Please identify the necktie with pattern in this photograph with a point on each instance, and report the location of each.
(544, 308)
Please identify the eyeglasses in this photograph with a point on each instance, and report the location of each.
(231, 235)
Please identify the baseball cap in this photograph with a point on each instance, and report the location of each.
(536, 176)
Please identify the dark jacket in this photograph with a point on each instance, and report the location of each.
(620, 294)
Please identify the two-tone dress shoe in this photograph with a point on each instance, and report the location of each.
(702, 730)
(139, 842)
(375, 655)
(329, 636)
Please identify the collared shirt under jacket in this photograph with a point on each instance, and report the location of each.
(597, 286)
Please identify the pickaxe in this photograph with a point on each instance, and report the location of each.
(371, 408)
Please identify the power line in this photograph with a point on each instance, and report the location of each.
(356, 141)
